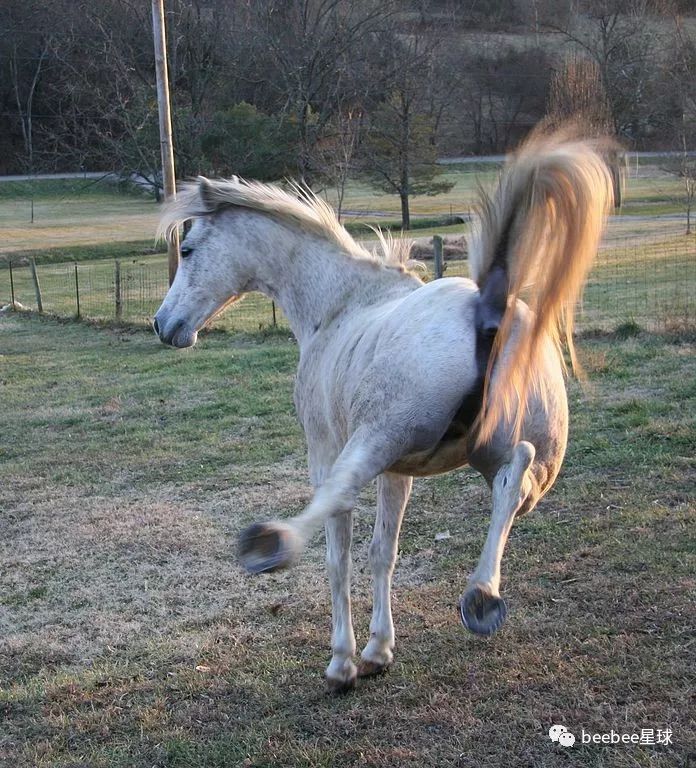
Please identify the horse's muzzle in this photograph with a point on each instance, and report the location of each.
(175, 333)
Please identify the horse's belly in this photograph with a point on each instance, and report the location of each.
(446, 456)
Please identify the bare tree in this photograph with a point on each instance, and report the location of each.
(683, 74)
(310, 53)
(26, 31)
(577, 92)
(336, 152)
(400, 153)
(688, 174)
(76, 75)
(682, 70)
(577, 95)
(113, 114)
(619, 37)
(196, 33)
(24, 98)
(501, 91)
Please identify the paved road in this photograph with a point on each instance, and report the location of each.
(468, 159)
(41, 176)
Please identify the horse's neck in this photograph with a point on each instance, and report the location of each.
(313, 281)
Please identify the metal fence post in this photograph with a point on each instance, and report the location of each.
(77, 291)
(12, 293)
(117, 287)
(273, 309)
(37, 287)
(437, 248)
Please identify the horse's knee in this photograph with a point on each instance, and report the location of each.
(515, 487)
(522, 457)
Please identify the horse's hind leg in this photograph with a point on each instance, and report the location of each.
(393, 492)
(481, 607)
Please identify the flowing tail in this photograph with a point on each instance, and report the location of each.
(538, 233)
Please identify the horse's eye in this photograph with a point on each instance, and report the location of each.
(186, 251)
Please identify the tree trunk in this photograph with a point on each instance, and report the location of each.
(303, 160)
(405, 213)
(26, 114)
(404, 151)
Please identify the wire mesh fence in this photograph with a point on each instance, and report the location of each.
(647, 281)
(112, 290)
(651, 282)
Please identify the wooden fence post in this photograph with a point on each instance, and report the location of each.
(37, 287)
(12, 293)
(165, 125)
(117, 287)
(437, 248)
(273, 309)
(77, 291)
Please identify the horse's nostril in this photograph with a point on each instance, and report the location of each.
(155, 325)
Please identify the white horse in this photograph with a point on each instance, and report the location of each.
(398, 378)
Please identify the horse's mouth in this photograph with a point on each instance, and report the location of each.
(182, 334)
(184, 337)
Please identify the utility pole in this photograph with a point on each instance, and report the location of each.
(165, 123)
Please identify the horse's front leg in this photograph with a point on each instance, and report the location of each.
(278, 543)
(393, 492)
(481, 607)
(341, 672)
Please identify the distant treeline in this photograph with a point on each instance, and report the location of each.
(324, 89)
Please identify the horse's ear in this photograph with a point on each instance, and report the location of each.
(207, 193)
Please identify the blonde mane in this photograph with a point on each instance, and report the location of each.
(302, 209)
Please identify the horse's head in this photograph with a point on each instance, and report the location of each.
(213, 269)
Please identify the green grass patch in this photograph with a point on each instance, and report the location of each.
(628, 329)
(136, 250)
(50, 189)
(362, 229)
(658, 208)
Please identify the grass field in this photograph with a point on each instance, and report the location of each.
(82, 220)
(129, 636)
(73, 215)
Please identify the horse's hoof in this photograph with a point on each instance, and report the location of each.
(481, 612)
(371, 668)
(335, 686)
(266, 547)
